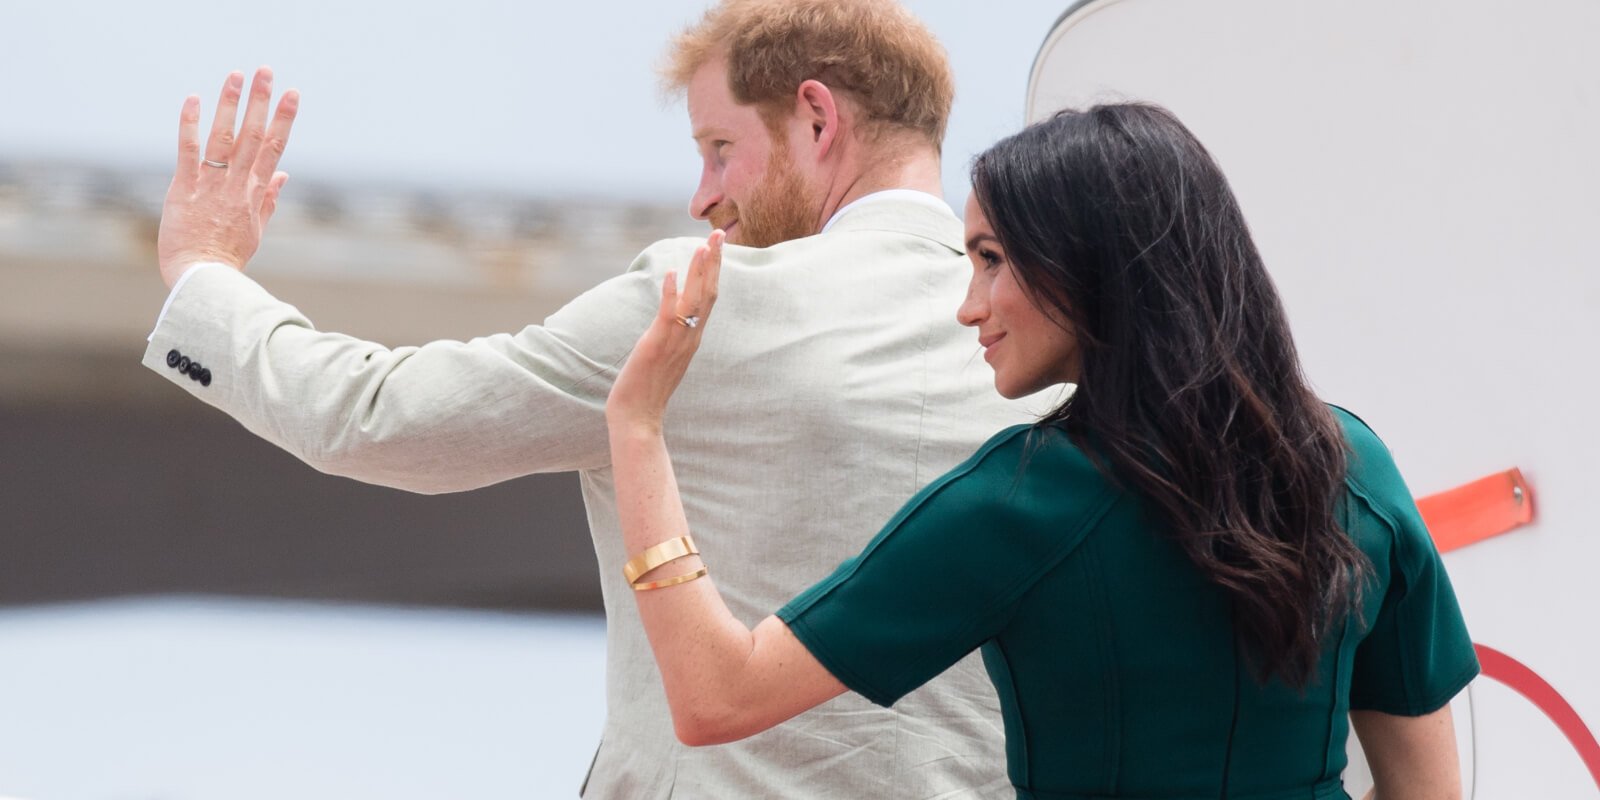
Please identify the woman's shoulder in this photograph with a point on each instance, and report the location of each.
(1357, 432)
(1018, 449)
(1028, 475)
(1374, 478)
(1371, 464)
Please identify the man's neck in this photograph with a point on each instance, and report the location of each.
(916, 169)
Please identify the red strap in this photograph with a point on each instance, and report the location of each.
(1526, 682)
(1476, 511)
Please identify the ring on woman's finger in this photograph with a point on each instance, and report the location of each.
(690, 321)
(218, 164)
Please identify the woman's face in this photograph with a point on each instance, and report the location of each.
(1028, 350)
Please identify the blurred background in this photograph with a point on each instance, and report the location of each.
(186, 612)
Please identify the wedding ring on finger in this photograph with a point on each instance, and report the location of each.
(691, 321)
(218, 164)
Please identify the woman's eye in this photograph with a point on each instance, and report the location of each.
(990, 258)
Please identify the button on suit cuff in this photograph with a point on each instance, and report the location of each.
(177, 286)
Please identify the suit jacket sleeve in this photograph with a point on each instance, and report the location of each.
(445, 416)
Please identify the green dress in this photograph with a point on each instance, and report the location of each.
(1114, 660)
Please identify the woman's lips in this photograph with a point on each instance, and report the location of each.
(988, 343)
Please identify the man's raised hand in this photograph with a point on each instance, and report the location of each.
(222, 196)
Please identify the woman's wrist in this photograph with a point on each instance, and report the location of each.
(624, 427)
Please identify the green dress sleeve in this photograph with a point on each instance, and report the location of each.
(947, 571)
(1416, 654)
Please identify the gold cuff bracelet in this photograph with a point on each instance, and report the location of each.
(667, 551)
(672, 581)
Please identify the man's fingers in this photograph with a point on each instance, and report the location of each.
(188, 142)
(254, 129)
(277, 137)
(269, 202)
(219, 146)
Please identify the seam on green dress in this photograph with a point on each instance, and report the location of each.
(1396, 566)
(1024, 760)
(1111, 667)
(1337, 681)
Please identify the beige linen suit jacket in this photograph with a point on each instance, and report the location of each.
(832, 383)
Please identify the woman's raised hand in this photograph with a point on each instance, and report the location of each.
(639, 397)
(224, 192)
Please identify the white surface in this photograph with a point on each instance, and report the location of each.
(1420, 176)
(207, 698)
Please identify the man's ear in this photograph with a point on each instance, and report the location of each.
(816, 106)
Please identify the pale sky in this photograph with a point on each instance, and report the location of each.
(539, 98)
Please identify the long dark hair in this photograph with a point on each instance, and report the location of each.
(1119, 225)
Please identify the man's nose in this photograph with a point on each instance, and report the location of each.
(705, 198)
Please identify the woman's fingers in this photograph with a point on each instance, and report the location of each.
(700, 288)
(669, 296)
(713, 271)
(663, 353)
(689, 301)
(219, 145)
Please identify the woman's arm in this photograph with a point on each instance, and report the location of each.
(1412, 758)
(723, 681)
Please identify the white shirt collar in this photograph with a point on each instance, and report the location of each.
(910, 195)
